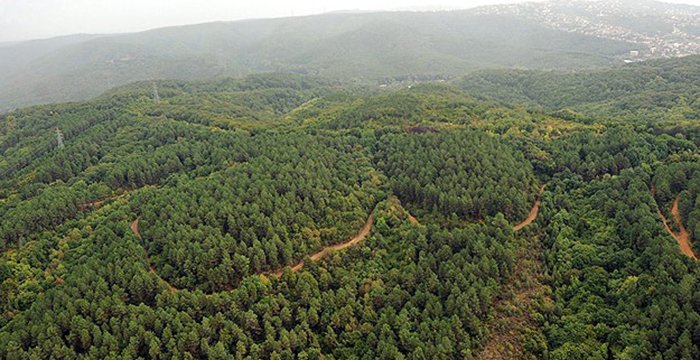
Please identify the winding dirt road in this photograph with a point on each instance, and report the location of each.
(361, 235)
(533, 213)
(682, 236)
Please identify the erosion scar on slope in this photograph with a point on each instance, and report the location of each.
(682, 236)
(533, 213)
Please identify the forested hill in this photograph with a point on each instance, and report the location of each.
(413, 44)
(658, 89)
(287, 216)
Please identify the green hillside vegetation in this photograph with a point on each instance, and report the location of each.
(651, 91)
(203, 225)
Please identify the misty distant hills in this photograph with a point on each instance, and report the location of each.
(367, 47)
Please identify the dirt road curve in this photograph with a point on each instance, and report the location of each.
(533, 213)
(361, 235)
(682, 236)
(135, 227)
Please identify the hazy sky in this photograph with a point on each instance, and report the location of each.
(31, 19)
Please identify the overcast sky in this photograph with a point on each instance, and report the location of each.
(31, 19)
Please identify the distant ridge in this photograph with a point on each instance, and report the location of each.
(371, 47)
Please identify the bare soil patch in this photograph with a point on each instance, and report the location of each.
(533, 213)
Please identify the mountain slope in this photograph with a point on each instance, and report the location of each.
(232, 180)
(368, 46)
(652, 89)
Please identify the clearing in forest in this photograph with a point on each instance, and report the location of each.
(522, 295)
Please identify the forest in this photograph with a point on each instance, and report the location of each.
(295, 217)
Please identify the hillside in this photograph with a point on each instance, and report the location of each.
(654, 90)
(293, 216)
(340, 45)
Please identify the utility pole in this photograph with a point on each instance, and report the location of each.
(59, 138)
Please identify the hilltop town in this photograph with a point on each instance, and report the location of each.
(662, 30)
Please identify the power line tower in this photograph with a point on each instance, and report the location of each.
(156, 97)
(59, 138)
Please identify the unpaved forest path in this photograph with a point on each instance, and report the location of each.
(533, 212)
(682, 236)
(135, 227)
(361, 235)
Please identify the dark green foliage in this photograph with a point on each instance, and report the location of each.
(303, 193)
(407, 290)
(460, 173)
(622, 286)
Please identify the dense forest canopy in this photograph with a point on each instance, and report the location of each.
(295, 217)
(649, 91)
